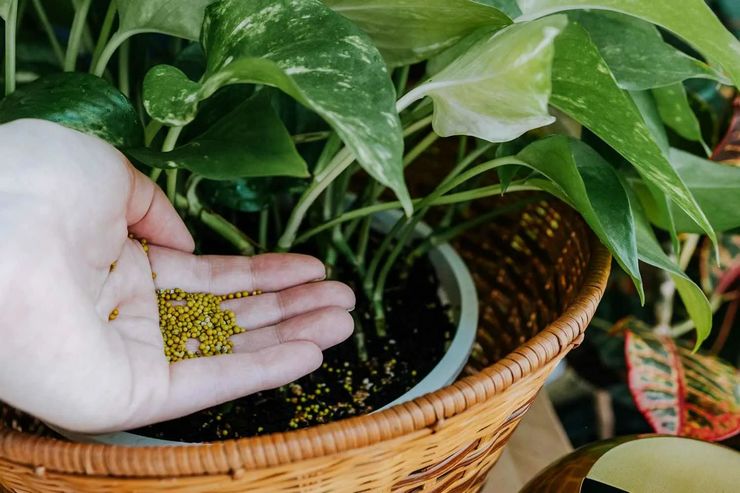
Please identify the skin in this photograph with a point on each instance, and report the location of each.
(67, 204)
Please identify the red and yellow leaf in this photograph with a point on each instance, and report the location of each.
(680, 392)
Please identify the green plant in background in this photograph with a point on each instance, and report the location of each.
(273, 109)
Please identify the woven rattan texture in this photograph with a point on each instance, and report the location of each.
(540, 275)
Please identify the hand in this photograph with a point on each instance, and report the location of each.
(67, 204)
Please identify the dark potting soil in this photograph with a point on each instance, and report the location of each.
(419, 330)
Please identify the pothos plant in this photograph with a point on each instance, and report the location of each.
(273, 108)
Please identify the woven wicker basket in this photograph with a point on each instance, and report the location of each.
(540, 275)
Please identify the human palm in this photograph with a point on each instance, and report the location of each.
(68, 203)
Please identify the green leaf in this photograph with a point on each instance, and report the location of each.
(326, 63)
(636, 53)
(499, 88)
(584, 88)
(715, 187)
(592, 186)
(650, 252)
(235, 147)
(508, 7)
(5, 8)
(181, 19)
(409, 31)
(691, 20)
(675, 111)
(169, 96)
(79, 101)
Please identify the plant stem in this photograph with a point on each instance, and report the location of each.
(228, 231)
(335, 168)
(416, 126)
(104, 35)
(264, 219)
(151, 131)
(419, 148)
(110, 47)
(49, 30)
(216, 222)
(311, 137)
(448, 183)
(468, 195)
(10, 30)
(123, 66)
(169, 143)
(449, 233)
(75, 35)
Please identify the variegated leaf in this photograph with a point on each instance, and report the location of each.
(181, 19)
(409, 31)
(311, 53)
(691, 20)
(654, 378)
(584, 88)
(499, 88)
(681, 392)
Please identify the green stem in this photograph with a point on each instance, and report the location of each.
(110, 48)
(474, 194)
(10, 30)
(216, 222)
(335, 168)
(418, 125)
(419, 148)
(447, 184)
(123, 68)
(169, 143)
(104, 35)
(402, 79)
(448, 234)
(49, 30)
(75, 35)
(151, 131)
(311, 137)
(228, 231)
(264, 220)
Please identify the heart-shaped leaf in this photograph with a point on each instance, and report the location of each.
(326, 63)
(678, 391)
(592, 186)
(235, 147)
(499, 88)
(79, 101)
(650, 252)
(409, 31)
(584, 88)
(676, 113)
(692, 20)
(636, 53)
(181, 19)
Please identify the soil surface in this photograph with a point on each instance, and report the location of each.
(419, 329)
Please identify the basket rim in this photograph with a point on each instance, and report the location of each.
(417, 416)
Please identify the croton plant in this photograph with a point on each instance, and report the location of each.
(273, 109)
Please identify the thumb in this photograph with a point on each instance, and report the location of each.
(150, 215)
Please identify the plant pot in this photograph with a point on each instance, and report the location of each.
(456, 289)
(535, 305)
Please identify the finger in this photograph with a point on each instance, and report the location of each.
(204, 382)
(272, 308)
(325, 328)
(221, 274)
(150, 215)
